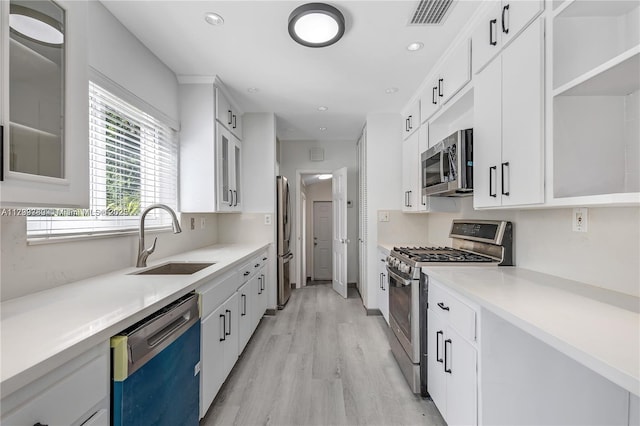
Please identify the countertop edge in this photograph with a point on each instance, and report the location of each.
(615, 375)
(22, 378)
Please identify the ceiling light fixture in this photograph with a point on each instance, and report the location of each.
(316, 25)
(253, 90)
(324, 177)
(416, 45)
(322, 108)
(213, 18)
(322, 129)
(391, 90)
(35, 26)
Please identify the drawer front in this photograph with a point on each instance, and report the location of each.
(69, 399)
(457, 313)
(216, 292)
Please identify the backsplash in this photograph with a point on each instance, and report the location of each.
(30, 268)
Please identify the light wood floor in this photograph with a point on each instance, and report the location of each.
(320, 361)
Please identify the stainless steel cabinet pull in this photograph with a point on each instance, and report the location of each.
(262, 282)
(410, 122)
(446, 370)
(224, 328)
(244, 305)
(234, 121)
(438, 334)
(409, 199)
(256, 265)
(230, 198)
(260, 288)
(433, 96)
(440, 81)
(246, 273)
(384, 278)
(230, 116)
(228, 312)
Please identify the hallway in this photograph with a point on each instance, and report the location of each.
(320, 361)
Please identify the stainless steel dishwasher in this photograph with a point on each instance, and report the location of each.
(155, 368)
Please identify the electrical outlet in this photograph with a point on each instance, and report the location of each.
(203, 223)
(267, 219)
(383, 216)
(193, 223)
(580, 219)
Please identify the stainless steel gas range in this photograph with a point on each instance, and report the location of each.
(474, 242)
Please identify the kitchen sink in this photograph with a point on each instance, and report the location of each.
(175, 268)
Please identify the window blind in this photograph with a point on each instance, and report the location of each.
(133, 163)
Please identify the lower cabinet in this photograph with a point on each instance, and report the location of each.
(77, 393)
(452, 379)
(246, 308)
(383, 284)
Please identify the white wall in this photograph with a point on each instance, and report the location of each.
(605, 256)
(120, 56)
(319, 191)
(294, 157)
(384, 187)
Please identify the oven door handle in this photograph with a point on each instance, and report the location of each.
(397, 277)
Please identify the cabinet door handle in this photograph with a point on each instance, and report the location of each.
(224, 328)
(505, 29)
(235, 198)
(440, 84)
(433, 96)
(492, 42)
(446, 370)
(244, 305)
(246, 273)
(260, 288)
(234, 121)
(262, 282)
(438, 334)
(229, 114)
(384, 278)
(424, 200)
(230, 198)
(441, 306)
(409, 199)
(410, 122)
(502, 178)
(492, 168)
(256, 265)
(264, 258)
(1, 153)
(406, 124)
(380, 280)
(228, 312)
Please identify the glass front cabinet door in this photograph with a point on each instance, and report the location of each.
(44, 110)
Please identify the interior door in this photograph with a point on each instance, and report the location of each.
(322, 240)
(340, 241)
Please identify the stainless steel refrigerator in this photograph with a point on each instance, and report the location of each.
(284, 240)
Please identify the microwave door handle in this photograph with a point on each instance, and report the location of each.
(442, 155)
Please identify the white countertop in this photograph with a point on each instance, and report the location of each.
(41, 331)
(596, 327)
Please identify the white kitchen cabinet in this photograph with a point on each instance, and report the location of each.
(383, 287)
(245, 318)
(501, 24)
(410, 173)
(229, 177)
(411, 120)
(43, 112)
(227, 114)
(210, 155)
(453, 357)
(75, 393)
(508, 129)
(453, 75)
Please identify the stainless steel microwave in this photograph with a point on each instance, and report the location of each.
(447, 167)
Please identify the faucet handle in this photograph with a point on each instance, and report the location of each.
(153, 246)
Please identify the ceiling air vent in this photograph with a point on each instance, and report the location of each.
(430, 12)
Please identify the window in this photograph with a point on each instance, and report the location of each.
(133, 163)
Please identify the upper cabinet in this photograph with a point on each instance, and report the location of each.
(411, 120)
(452, 76)
(509, 125)
(227, 114)
(595, 103)
(45, 159)
(210, 150)
(501, 24)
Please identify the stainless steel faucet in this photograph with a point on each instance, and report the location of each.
(143, 252)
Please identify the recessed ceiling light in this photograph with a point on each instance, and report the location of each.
(324, 177)
(391, 90)
(322, 129)
(213, 18)
(416, 45)
(35, 26)
(253, 90)
(316, 25)
(322, 108)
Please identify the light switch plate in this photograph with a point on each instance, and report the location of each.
(580, 219)
(267, 219)
(203, 223)
(383, 216)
